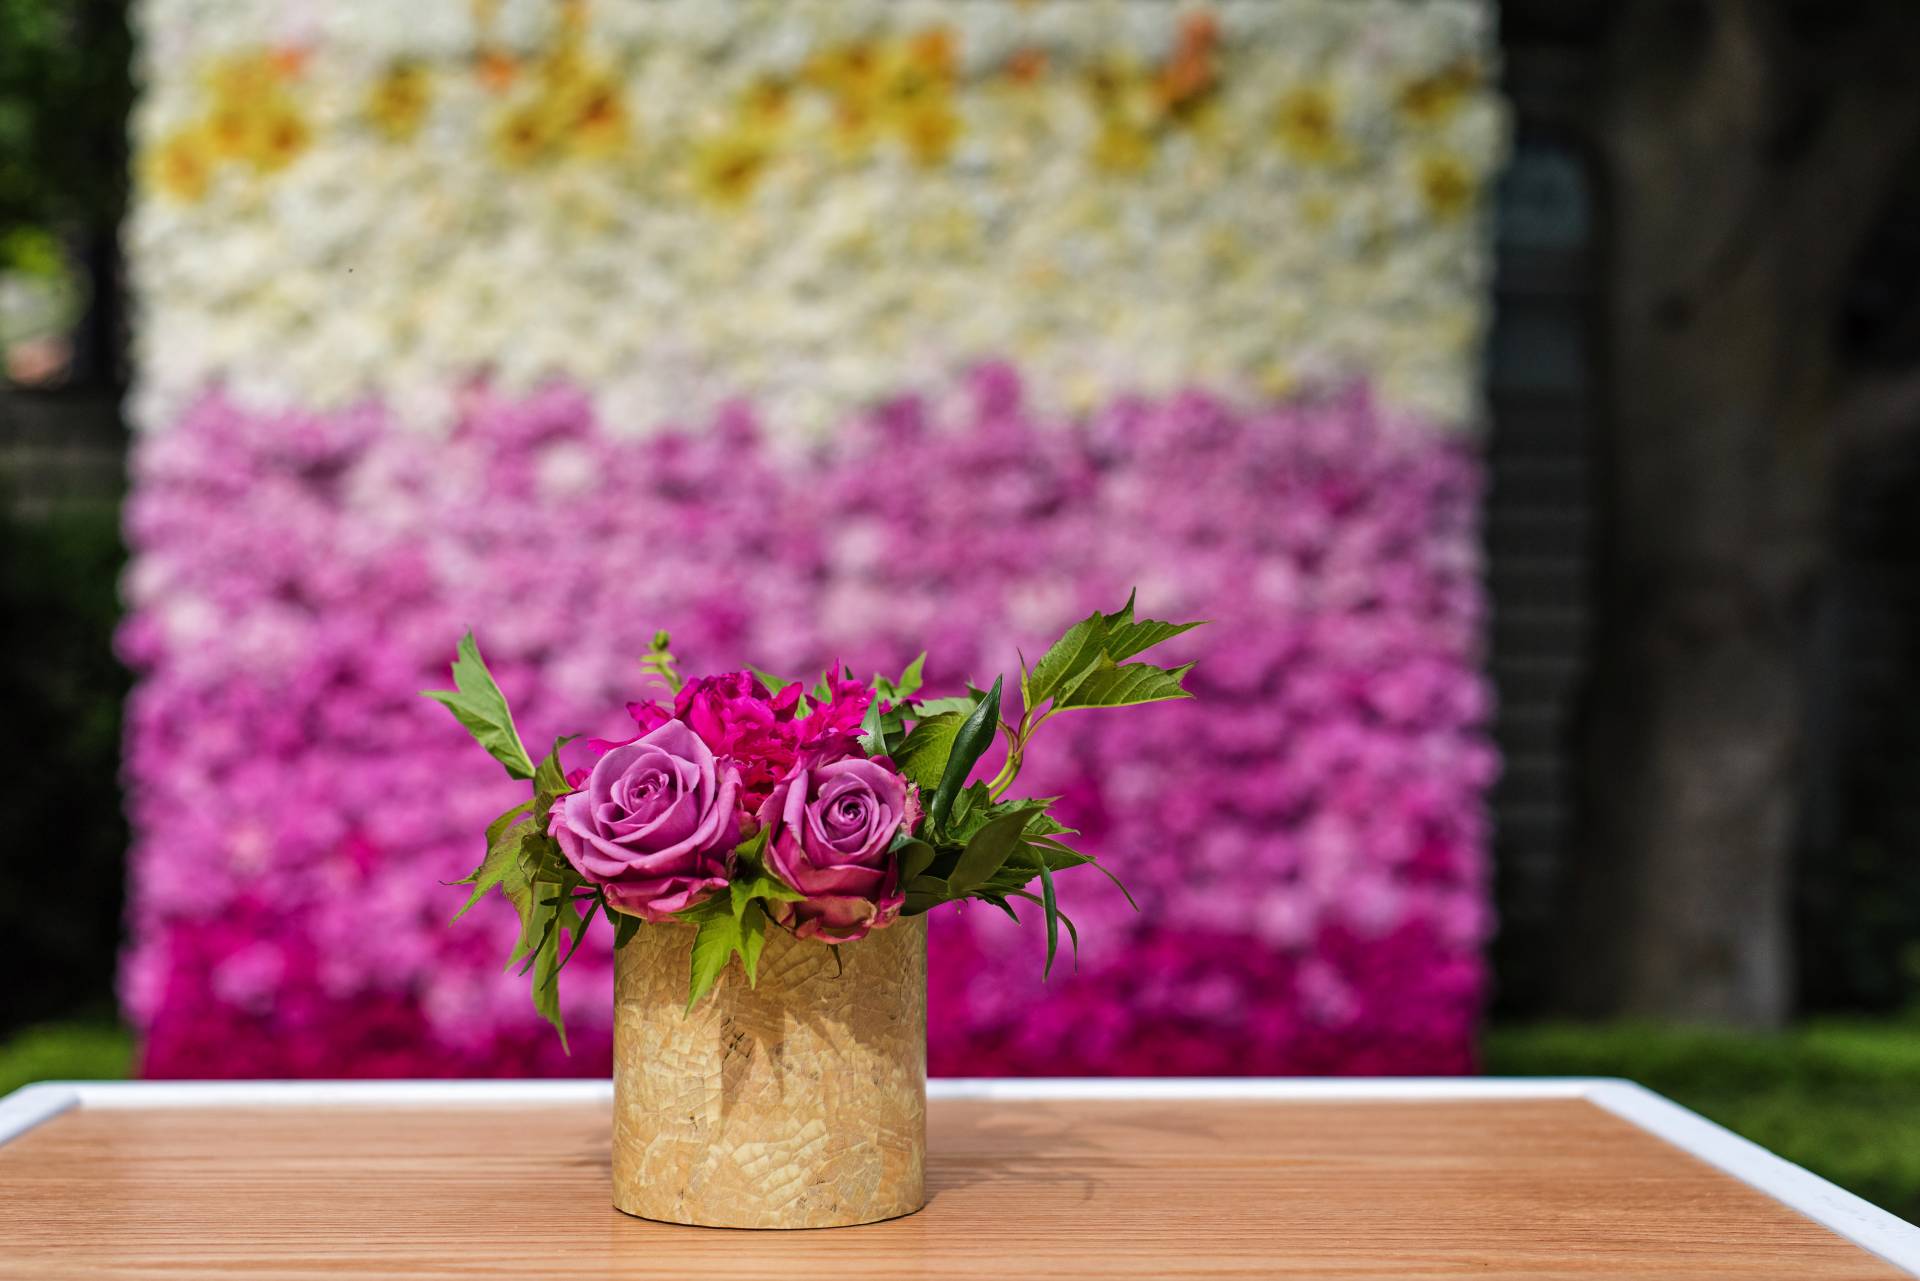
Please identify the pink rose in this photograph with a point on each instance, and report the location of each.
(655, 824)
(828, 828)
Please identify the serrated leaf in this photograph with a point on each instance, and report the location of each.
(713, 947)
(760, 886)
(970, 743)
(923, 756)
(987, 852)
(1127, 686)
(706, 910)
(909, 681)
(753, 940)
(1067, 660)
(502, 864)
(1126, 640)
(477, 703)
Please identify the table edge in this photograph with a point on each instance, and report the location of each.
(1859, 1221)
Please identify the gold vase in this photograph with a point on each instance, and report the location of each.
(798, 1103)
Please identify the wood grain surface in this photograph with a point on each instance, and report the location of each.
(1351, 1190)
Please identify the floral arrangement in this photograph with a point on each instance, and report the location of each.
(752, 802)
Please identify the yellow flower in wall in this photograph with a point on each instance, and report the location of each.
(766, 103)
(523, 135)
(1123, 147)
(916, 95)
(1447, 187)
(594, 117)
(1127, 100)
(1307, 125)
(846, 71)
(727, 168)
(929, 132)
(182, 165)
(399, 101)
(244, 93)
(1430, 100)
(247, 78)
(282, 136)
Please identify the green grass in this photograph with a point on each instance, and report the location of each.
(1841, 1098)
(65, 1052)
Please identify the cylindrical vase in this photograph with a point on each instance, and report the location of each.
(797, 1103)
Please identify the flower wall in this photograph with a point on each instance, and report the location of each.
(810, 331)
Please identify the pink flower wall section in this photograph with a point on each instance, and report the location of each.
(1306, 840)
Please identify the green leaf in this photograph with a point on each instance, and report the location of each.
(1052, 909)
(971, 811)
(1125, 638)
(898, 691)
(546, 981)
(1068, 660)
(659, 660)
(706, 910)
(1126, 686)
(762, 885)
(926, 709)
(873, 738)
(987, 852)
(502, 863)
(1133, 638)
(549, 780)
(923, 756)
(477, 703)
(970, 743)
(625, 926)
(713, 947)
(773, 683)
(915, 856)
(1002, 904)
(1073, 935)
(579, 931)
(753, 939)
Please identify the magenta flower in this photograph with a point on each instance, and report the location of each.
(655, 824)
(828, 829)
(736, 717)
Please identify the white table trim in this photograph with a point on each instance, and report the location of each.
(1860, 1222)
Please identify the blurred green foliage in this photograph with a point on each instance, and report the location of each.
(1837, 1097)
(63, 869)
(64, 90)
(65, 1052)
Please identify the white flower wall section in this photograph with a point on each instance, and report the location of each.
(681, 202)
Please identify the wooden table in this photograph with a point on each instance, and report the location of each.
(1241, 1178)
